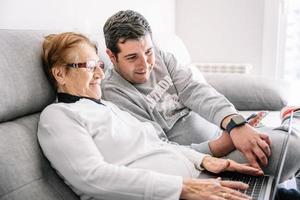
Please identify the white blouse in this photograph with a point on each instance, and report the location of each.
(103, 152)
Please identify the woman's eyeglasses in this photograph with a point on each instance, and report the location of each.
(89, 65)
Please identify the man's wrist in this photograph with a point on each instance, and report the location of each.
(226, 120)
(235, 121)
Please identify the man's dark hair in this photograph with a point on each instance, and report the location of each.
(122, 26)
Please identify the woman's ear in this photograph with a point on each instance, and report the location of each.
(59, 73)
(112, 56)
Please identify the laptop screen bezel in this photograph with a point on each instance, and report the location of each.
(282, 157)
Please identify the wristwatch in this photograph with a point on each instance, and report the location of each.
(235, 121)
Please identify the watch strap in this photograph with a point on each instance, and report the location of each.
(232, 124)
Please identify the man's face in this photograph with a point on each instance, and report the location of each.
(135, 60)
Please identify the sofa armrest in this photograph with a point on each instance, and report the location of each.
(250, 92)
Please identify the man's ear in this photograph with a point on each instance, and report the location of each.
(59, 73)
(112, 56)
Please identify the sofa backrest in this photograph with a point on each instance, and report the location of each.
(25, 174)
(24, 87)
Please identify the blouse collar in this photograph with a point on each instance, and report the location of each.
(69, 98)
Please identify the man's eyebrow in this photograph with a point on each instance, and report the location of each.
(134, 54)
(130, 55)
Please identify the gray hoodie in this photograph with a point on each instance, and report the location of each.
(170, 94)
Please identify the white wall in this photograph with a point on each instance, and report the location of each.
(81, 15)
(274, 38)
(238, 31)
(222, 30)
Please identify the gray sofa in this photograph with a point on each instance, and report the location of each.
(25, 174)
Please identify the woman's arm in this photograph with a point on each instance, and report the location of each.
(213, 164)
(73, 153)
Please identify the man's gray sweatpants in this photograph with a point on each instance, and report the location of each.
(195, 131)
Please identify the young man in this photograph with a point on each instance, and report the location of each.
(153, 86)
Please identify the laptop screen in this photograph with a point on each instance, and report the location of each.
(282, 157)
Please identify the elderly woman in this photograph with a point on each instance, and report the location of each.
(103, 152)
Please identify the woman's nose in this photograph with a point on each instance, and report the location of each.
(99, 73)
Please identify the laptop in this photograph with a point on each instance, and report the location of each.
(263, 187)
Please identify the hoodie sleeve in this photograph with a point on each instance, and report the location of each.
(73, 153)
(198, 96)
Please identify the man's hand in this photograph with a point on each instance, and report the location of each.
(217, 165)
(210, 189)
(254, 145)
(223, 145)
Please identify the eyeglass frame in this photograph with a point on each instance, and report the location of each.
(100, 64)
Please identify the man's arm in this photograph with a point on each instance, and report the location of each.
(195, 94)
(214, 107)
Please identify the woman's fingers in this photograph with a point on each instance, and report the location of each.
(230, 190)
(234, 185)
(244, 169)
(215, 165)
(232, 196)
(213, 189)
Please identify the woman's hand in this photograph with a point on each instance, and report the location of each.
(212, 189)
(217, 165)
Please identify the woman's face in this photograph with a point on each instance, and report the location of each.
(80, 81)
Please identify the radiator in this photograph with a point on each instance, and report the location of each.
(240, 68)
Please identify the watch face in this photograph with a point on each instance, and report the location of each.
(238, 119)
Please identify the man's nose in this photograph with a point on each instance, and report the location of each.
(144, 61)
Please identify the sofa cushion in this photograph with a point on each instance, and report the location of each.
(24, 86)
(249, 92)
(173, 44)
(25, 173)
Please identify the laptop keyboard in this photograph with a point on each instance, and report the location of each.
(255, 183)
